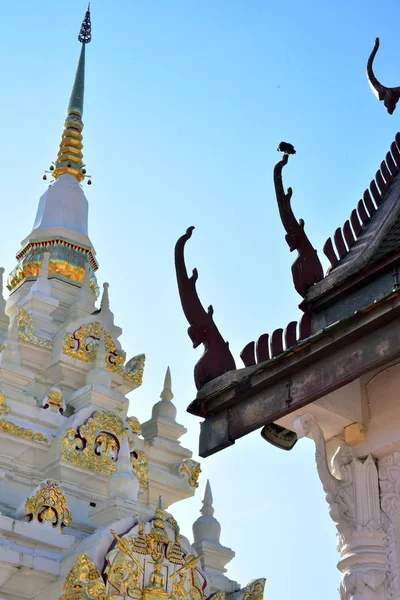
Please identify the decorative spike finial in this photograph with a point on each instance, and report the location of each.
(166, 393)
(85, 34)
(69, 158)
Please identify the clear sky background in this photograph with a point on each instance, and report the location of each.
(185, 104)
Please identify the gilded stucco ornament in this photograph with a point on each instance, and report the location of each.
(66, 260)
(83, 342)
(133, 370)
(49, 504)
(254, 590)
(84, 581)
(140, 464)
(141, 565)
(4, 408)
(191, 469)
(54, 400)
(27, 329)
(95, 446)
(134, 424)
(24, 432)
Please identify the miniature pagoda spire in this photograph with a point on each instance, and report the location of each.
(207, 527)
(69, 157)
(166, 393)
(163, 424)
(164, 408)
(215, 556)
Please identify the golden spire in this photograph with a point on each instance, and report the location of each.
(69, 157)
(158, 530)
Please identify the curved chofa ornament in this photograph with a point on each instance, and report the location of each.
(390, 96)
(306, 269)
(217, 358)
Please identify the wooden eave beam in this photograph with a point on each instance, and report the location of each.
(264, 395)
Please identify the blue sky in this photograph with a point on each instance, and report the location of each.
(185, 104)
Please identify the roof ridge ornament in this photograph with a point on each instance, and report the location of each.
(307, 268)
(217, 358)
(390, 96)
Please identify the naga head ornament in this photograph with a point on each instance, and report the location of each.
(390, 96)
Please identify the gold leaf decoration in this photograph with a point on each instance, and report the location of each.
(134, 368)
(84, 581)
(140, 464)
(95, 444)
(48, 503)
(54, 400)
(83, 342)
(192, 470)
(24, 432)
(4, 408)
(152, 566)
(27, 328)
(134, 424)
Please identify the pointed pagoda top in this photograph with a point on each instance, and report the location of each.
(69, 157)
(207, 508)
(207, 527)
(165, 408)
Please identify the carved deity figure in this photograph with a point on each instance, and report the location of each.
(157, 579)
(178, 587)
(131, 581)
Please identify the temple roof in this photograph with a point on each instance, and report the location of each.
(371, 233)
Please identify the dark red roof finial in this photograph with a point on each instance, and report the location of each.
(217, 358)
(306, 269)
(390, 96)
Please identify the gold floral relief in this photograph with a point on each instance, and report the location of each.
(84, 581)
(191, 469)
(95, 444)
(24, 432)
(49, 504)
(27, 328)
(83, 343)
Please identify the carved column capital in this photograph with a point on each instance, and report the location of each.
(352, 492)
